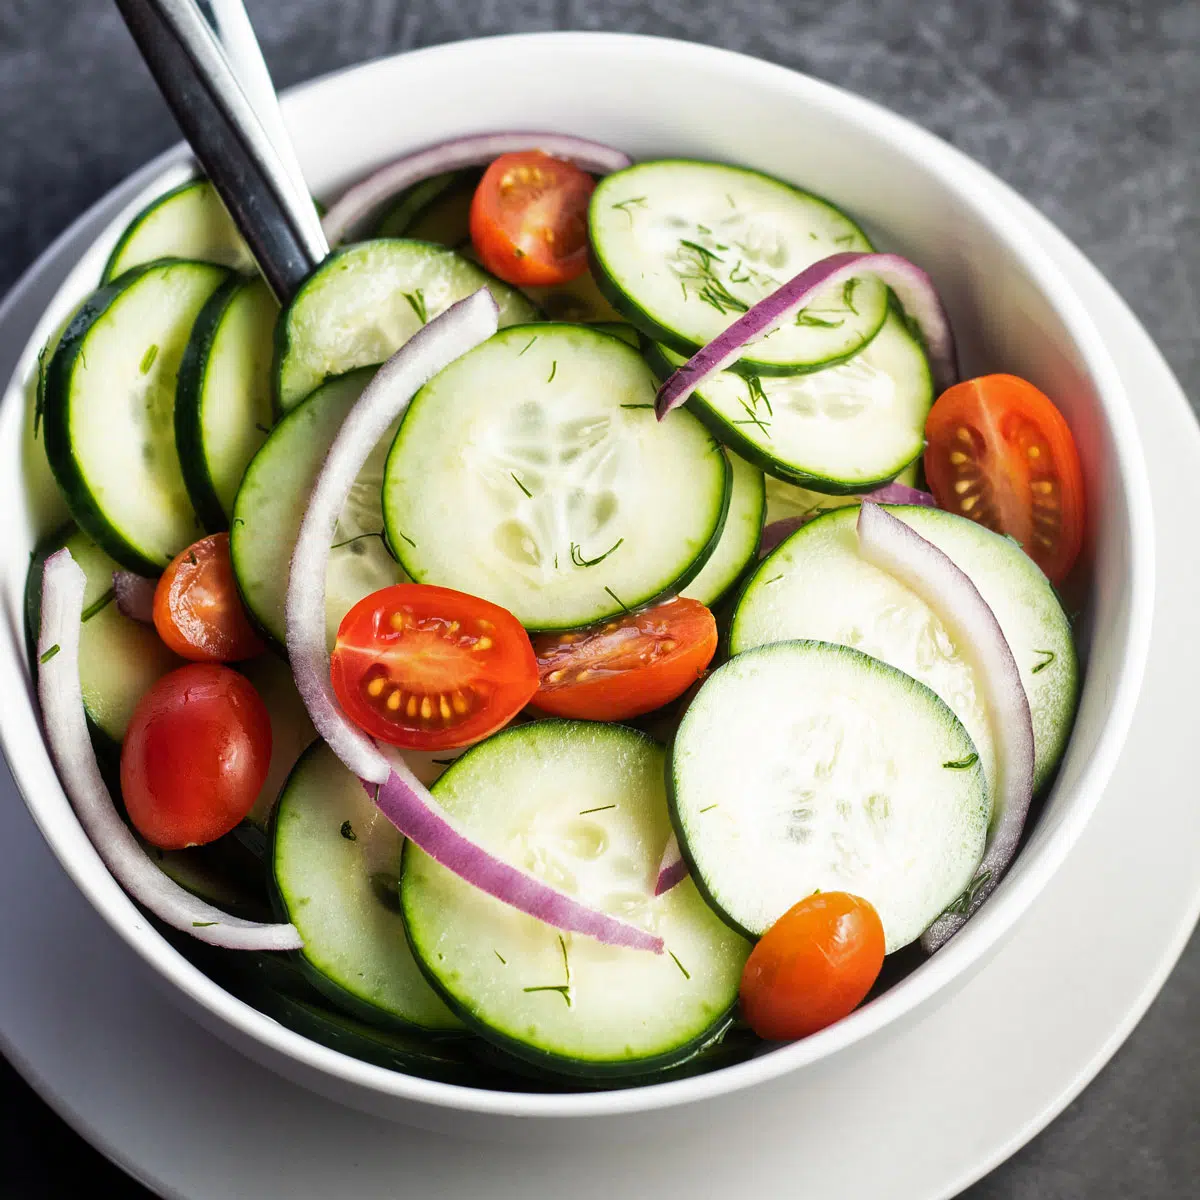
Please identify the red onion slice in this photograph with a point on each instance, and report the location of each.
(672, 869)
(405, 801)
(912, 286)
(900, 493)
(134, 596)
(475, 151)
(889, 544)
(65, 724)
(462, 327)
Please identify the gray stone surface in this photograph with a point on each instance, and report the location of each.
(1088, 107)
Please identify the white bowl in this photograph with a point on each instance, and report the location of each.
(1011, 307)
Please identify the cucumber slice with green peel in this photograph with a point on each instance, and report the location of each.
(109, 413)
(683, 248)
(438, 210)
(787, 500)
(842, 429)
(224, 873)
(189, 221)
(119, 659)
(335, 860)
(224, 406)
(365, 301)
(816, 586)
(804, 766)
(582, 805)
(292, 731)
(533, 473)
(739, 537)
(620, 329)
(271, 502)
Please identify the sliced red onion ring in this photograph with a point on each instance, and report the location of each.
(912, 286)
(672, 869)
(892, 546)
(900, 493)
(65, 724)
(475, 151)
(406, 802)
(460, 328)
(135, 596)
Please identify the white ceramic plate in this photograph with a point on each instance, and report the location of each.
(938, 1104)
(1012, 308)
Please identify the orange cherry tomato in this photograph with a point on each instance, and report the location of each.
(1000, 453)
(197, 609)
(812, 967)
(629, 666)
(428, 668)
(529, 219)
(195, 756)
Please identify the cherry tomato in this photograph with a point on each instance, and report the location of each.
(628, 666)
(812, 967)
(1000, 453)
(529, 219)
(197, 609)
(195, 756)
(428, 668)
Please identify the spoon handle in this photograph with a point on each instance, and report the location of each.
(194, 75)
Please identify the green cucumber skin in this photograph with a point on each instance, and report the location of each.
(56, 419)
(656, 332)
(189, 395)
(397, 544)
(734, 588)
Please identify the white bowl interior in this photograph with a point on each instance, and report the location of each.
(1010, 307)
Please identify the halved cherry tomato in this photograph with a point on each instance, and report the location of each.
(812, 967)
(428, 668)
(629, 666)
(529, 218)
(195, 756)
(1000, 453)
(197, 609)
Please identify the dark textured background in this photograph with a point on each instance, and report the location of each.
(1091, 108)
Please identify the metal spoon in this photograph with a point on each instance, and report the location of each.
(260, 185)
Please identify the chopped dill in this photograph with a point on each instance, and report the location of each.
(961, 764)
(347, 831)
(553, 371)
(618, 599)
(1050, 656)
(97, 605)
(45, 658)
(416, 302)
(528, 344)
(357, 538)
(602, 808)
(578, 559)
(520, 484)
(148, 358)
(686, 973)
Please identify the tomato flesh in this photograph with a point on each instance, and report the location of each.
(429, 668)
(813, 967)
(197, 609)
(627, 666)
(1000, 453)
(195, 756)
(529, 219)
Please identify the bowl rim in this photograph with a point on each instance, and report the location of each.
(954, 961)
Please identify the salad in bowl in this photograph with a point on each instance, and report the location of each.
(589, 634)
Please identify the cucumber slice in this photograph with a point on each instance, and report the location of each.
(438, 210)
(292, 731)
(583, 806)
(803, 766)
(109, 415)
(336, 862)
(223, 402)
(223, 872)
(846, 428)
(270, 505)
(119, 659)
(365, 301)
(189, 221)
(815, 585)
(739, 537)
(532, 472)
(682, 249)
